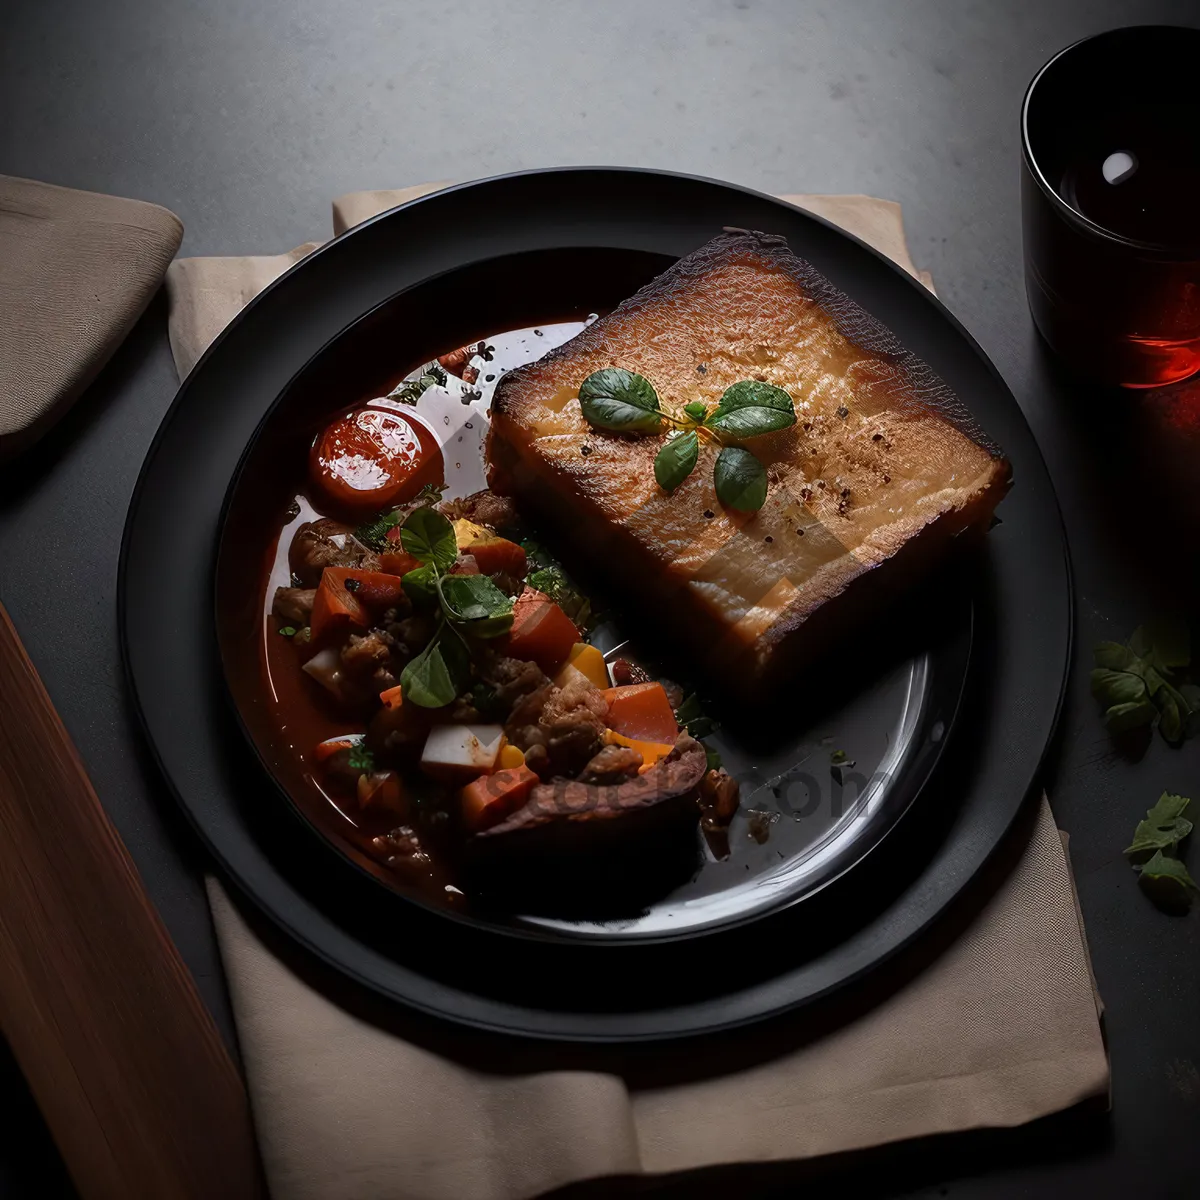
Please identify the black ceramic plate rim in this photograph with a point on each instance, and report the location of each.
(854, 956)
(923, 765)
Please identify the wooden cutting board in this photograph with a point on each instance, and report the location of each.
(120, 1052)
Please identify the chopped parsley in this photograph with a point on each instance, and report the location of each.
(360, 758)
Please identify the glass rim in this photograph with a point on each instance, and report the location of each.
(1176, 252)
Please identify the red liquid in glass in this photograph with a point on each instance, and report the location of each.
(1138, 176)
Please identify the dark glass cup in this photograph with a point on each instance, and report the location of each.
(1110, 197)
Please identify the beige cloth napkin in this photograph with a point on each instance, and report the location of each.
(996, 1028)
(76, 271)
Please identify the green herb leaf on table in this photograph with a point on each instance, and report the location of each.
(712, 759)
(696, 411)
(1134, 684)
(373, 533)
(750, 409)
(621, 401)
(740, 479)
(429, 538)
(1154, 853)
(477, 604)
(1164, 828)
(676, 460)
(1165, 643)
(1167, 882)
(439, 673)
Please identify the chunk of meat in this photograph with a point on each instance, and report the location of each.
(397, 735)
(718, 798)
(326, 543)
(561, 727)
(294, 605)
(484, 508)
(513, 678)
(410, 635)
(719, 795)
(613, 764)
(371, 660)
(576, 811)
(401, 849)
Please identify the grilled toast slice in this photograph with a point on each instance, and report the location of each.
(882, 469)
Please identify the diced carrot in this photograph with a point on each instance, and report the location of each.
(382, 790)
(375, 590)
(396, 560)
(347, 596)
(651, 752)
(642, 711)
(492, 552)
(335, 609)
(324, 750)
(541, 632)
(490, 798)
(393, 697)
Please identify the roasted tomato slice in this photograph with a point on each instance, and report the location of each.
(373, 457)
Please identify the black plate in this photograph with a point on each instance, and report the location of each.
(1020, 589)
(891, 708)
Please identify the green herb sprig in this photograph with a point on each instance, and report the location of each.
(360, 758)
(624, 402)
(466, 606)
(373, 533)
(1142, 683)
(548, 577)
(1154, 853)
(409, 391)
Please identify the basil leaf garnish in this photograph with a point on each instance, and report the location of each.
(750, 409)
(429, 538)
(696, 411)
(674, 462)
(620, 400)
(477, 604)
(420, 586)
(438, 674)
(740, 479)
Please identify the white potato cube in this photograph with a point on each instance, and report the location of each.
(460, 753)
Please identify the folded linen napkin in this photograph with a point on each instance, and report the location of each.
(76, 271)
(999, 1027)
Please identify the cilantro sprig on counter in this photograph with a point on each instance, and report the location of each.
(1154, 852)
(1143, 683)
(466, 606)
(624, 402)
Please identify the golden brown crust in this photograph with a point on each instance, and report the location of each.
(883, 456)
